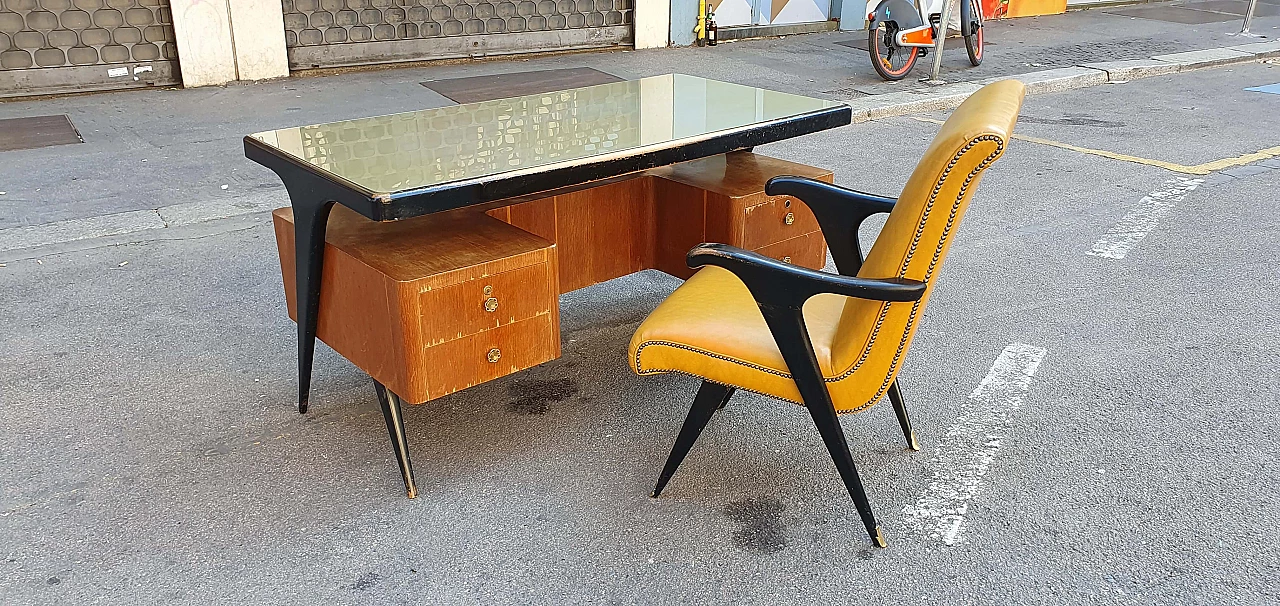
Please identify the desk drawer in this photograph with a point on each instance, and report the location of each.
(487, 302)
(405, 300)
(779, 218)
(485, 356)
(808, 250)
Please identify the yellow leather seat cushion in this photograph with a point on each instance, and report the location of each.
(711, 327)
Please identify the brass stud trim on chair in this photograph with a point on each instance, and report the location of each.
(933, 262)
(884, 308)
(710, 354)
(915, 242)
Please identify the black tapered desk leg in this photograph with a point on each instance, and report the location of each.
(393, 414)
(309, 222)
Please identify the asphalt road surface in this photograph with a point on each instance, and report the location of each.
(1120, 318)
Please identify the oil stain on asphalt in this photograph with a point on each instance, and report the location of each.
(536, 397)
(760, 525)
(1072, 120)
(366, 581)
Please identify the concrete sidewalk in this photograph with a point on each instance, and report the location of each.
(158, 159)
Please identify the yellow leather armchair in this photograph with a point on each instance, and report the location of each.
(833, 343)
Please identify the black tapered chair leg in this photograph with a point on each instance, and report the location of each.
(394, 416)
(711, 397)
(828, 423)
(900, 407)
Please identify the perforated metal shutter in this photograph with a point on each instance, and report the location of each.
(333, 33)
(49, 46)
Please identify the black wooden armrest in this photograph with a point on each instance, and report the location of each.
(777, 284)
(840, 213)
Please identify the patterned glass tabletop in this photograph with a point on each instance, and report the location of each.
(505, 137)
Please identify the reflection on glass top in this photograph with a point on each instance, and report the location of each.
(389, 154)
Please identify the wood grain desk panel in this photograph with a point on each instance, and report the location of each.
(405, 301)
(651, 220)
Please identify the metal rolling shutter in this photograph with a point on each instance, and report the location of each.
(334, 33)
(52, 46)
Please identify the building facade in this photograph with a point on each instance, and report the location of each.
(58, 46)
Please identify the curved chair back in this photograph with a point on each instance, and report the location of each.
(920, 229)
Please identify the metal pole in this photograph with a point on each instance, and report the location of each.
(1248, 16)
(941, 37)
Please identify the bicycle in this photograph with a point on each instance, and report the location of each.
(897, 33)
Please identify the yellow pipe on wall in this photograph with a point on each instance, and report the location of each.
(701, 29)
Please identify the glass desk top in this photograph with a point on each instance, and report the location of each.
(388, 155)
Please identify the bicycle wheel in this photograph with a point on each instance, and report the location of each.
(973, 41)
(891, 61)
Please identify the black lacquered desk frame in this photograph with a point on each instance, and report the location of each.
(313, 191)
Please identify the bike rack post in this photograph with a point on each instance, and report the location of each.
(942, 37)
(1248, 16)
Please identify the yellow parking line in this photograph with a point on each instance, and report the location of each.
(1261, 154)
(1113, 155)
(1198, 169)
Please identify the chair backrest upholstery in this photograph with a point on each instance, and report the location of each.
(874, 336)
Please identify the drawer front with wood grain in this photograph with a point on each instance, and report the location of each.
(486, 303)
(808, 250)
(485, 356)
(779, 218)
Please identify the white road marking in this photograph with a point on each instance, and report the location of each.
(965, 453)
(1143, 218)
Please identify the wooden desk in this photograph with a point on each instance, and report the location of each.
(519, 153)
(404, 301)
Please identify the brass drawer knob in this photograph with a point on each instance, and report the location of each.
(786, 259)
(493, 356)
(491, 304)
(789, 219)
(488, 290)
